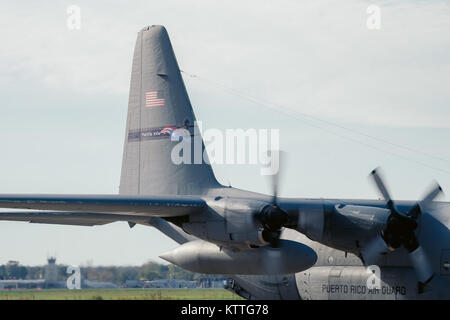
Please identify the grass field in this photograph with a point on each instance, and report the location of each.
(119, 294)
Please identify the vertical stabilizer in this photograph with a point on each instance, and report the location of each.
(158, 104)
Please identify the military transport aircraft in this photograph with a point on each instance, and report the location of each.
(271, 247)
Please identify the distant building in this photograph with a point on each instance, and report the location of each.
(215, 282)
(51, 273)
(170, 283)
(21, 284)
(218, 282)
(161, 283)
(93, 284)
(50, 280)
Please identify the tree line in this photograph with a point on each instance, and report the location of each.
(115, 274)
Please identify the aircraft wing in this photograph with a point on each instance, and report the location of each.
(70, 218)
(96, 209)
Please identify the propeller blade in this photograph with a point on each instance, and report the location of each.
(278, 157)
(400, 231)
(275, 188)
(426, 203)
(434, 192)
(378, 180)
(272, 217)
(374, 250)
(272, 237)
(421, 264)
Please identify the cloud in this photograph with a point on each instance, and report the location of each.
(317, 56)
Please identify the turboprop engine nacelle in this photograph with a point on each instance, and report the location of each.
(205, 257)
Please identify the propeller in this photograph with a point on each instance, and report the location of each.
(272, 217)
(399, 230)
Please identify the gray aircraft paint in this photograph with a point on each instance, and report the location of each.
(147, 168)
(151, 188)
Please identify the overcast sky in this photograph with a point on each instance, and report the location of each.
(64, 102)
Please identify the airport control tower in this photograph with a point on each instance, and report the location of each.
(51, 271)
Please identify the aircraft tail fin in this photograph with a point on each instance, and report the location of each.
(158, 104)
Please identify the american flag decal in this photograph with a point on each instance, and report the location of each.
(151, 99)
